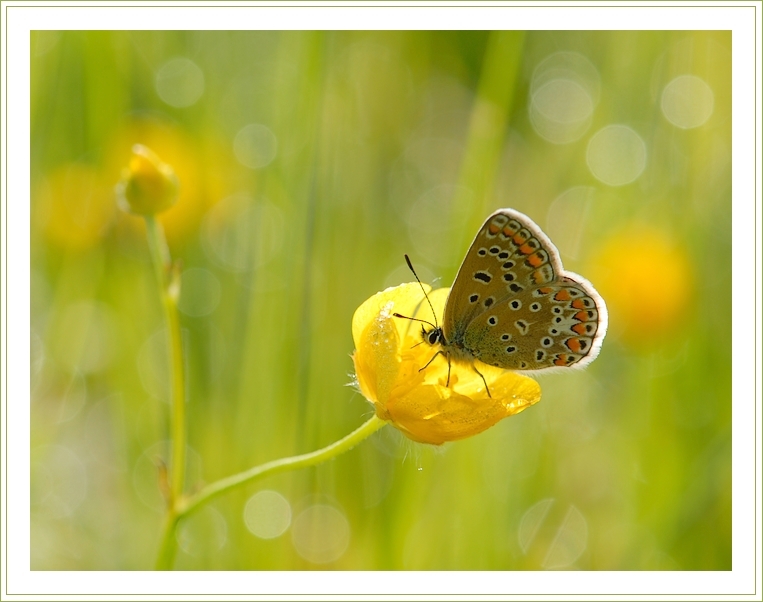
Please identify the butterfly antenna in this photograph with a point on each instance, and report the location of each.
(397, 315)
(410, 265)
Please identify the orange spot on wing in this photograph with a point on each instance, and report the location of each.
(493, 229)
(519, 239)
(508, 232)
(581, 316)
(579, 304)
(579, 328)
(561, 360)
(573, 345)
(535, 260)
(545, 290)
(563, 295)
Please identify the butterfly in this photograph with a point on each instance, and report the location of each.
(513, 306)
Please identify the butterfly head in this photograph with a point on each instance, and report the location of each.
(433, 336)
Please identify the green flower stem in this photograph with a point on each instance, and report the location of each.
(166, 556)
(194, 502)
(283, 465)
(169, 291)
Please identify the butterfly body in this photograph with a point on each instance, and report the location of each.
(512, 305)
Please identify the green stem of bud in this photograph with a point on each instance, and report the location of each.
(167, 281)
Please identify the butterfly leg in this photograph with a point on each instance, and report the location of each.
(447, 356)
(425, 366)
(483, 380)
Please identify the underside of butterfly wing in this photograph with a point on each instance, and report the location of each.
(512, 304)
(551, 326)
(509, 254)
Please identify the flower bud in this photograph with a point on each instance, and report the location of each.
(148, 186)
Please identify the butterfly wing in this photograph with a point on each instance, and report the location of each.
(508, 251)
(555, 325)
(512, 304)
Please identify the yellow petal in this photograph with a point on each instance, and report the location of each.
(403, 299)
(377, 361)
(435, 414)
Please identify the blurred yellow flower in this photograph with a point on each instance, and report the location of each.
(73, 206)
(148, 186)
(388, 360)
(646, 279)
(176, 148)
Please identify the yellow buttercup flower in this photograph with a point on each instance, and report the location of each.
(204, 166)
(646, 277)
(74, 206)
(389, 355)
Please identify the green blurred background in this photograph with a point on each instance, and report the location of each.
(309, 163)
